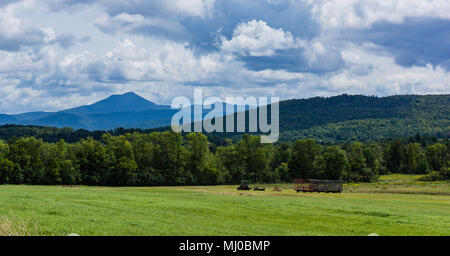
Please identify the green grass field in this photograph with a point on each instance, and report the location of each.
(396, 205)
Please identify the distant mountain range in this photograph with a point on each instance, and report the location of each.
(334, 119)
(127, 110)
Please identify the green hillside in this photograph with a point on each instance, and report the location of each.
(363, 118)
(348, 118)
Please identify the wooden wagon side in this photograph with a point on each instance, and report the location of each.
(314, 185)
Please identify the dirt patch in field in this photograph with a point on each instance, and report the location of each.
(106, 189)
(234, 192)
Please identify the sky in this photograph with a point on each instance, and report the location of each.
(57, 54)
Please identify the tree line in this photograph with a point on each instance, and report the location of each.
(168, 158)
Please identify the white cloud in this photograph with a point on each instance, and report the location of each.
(16, 32)
(182, 8)
(363, 13)
(10, 26)
(198, 8)
(159, 60)
(383, 76)
(124, 22)
(316, 50)
(256, 38)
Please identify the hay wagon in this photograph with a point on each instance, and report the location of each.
(311, 185)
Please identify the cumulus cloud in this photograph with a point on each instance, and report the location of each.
(415, 32)
(137, 24)
(172, 62)
(16, 33)
(7, 2)
(263, 47)
(383, 76)
(362, 14)
(256, 38)
(417, 42)
(143, 17)
(136, 11)
(175, 8)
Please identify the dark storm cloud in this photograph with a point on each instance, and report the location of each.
(413, 42)
(201, 31)
(36, 39)
(227, 15)
(293, 60)
(7, 2)
(32, 38)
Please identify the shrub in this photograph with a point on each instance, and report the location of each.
(432, 176)
(445, 173)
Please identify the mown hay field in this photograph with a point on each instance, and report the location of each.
(396, 205)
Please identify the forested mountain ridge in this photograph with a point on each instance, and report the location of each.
(361, 118)
(302, 114)
(344, 118)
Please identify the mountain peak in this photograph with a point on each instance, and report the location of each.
(116, 103)
(128, 97)
(127, 94)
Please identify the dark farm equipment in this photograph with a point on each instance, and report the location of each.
(244, 185)
(311, 185)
